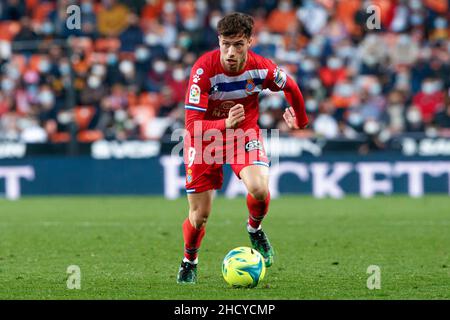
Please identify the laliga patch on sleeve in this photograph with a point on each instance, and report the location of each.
(279, 77)
(194, 94)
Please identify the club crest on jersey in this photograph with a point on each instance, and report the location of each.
(253, 145)
(194, 94)
(250, 86)
(279, 77)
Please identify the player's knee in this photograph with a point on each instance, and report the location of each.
(259, 192)
(198, 217)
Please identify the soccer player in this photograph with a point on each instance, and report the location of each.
(223, 95)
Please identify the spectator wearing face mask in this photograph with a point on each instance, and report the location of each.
(344, 96)
(132, 36)
(178, 83)
(430, 99)
(333, 72)
(282, 19)
(46, 103)
(157, 76)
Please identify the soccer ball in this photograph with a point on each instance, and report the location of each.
(243, 267)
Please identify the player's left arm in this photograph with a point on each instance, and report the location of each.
(295, 115)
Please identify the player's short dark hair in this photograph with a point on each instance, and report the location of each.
(235, 24)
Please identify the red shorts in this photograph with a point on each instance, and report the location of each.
(204, 164)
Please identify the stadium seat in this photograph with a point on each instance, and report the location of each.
(41, 11)
(87, 136)
(60, 137)
(34, 61)
(83, 116)
(20, 62)
(107, 44)
(9, 29)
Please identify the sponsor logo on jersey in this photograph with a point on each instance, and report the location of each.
(279, 77)
(199, 71)
(253, 145)
(194, 94)
(222, 110)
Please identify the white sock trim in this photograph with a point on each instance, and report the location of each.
(189, 261)
(251, 229)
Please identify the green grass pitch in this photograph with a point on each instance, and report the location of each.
(131, 247)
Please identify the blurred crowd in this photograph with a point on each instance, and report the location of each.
(123, 74)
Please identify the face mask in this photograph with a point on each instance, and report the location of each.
(276, 101)
(191, 24)
(201, 5)
(440, 23)
(314, 50)
(355, 119)
(13, 72)
(413, 116)
(307, 66)
(126, 67)
(7, 85)
(64, 69)
(151, 39)
(174, 54)
(370, 60)
(371, 127)
(46, 98)
(345, 90)
(284, 6)
(47, 28)
(98, 70)
(315, 84)
(416, 19)
(344, 52)
(185, 42)
(178, 74)
(120, 115)
(159, 67)
(214, 21)
(375, 89)
(169, 7)
(264, 37)
(311, 105)
(111, 59)
(334, 63)
(429, 88)
(44, 66)
(142, 54)
(415, 4)
(86, 7)
(93, 82)
(266, 120)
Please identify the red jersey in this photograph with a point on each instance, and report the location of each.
(212, 91)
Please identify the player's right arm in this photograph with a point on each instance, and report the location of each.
(196, 104)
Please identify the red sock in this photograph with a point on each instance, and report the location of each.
(192, 239)
(257, 210)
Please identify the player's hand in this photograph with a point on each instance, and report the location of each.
(290, 118)
(235, 116)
